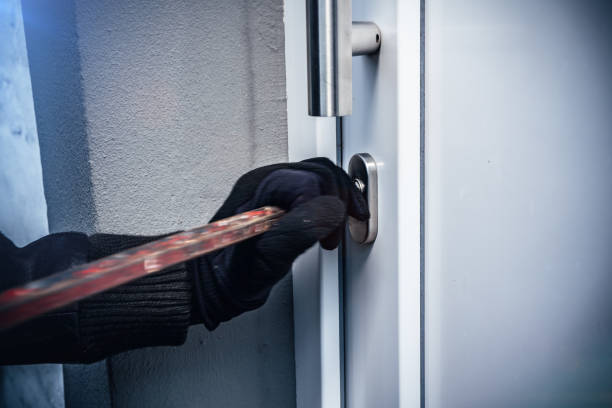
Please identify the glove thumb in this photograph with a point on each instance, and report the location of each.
(300, 229)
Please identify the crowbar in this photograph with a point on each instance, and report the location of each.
(22, 303)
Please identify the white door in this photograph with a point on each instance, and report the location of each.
(382, 306)
(489, 283)
(358, 327)
(518, 203)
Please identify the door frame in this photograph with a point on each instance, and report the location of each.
(319, 297)
(316, 280)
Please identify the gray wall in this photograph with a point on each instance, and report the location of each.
(518, 204)
(147, 114)
(23, 212)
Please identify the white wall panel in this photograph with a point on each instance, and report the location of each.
(518, 203)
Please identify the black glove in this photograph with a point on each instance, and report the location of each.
(317, 196)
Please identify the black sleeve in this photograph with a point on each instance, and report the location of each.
(151, 311)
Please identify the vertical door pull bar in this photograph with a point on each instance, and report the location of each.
(332, 40)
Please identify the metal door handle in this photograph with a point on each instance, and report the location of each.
(332, 41)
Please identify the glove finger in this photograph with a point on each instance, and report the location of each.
(353, 198)
(337, 182)
(244, 189)
(334, 181)
(292, 185)
(300, 229)
(287, 189)
(333, 239)
(299, 186)
(356, 205)
(355, 202)
(330, 172)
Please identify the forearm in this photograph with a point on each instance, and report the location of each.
(151, 311)
(157, 310)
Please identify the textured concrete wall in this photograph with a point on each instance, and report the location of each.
(23, 212)
(156, 108)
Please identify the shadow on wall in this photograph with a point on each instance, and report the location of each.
(55, 69)
(23, 214)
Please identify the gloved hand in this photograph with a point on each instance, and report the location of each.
(317, 196)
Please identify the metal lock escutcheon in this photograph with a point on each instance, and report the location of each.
(364, 173)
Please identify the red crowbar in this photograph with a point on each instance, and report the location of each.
(37, 297)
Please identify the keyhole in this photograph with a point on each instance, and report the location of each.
(360, 185)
